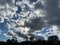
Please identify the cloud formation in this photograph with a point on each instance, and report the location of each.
(35, 24)
(25, 17)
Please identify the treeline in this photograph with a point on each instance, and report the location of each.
(52, 40)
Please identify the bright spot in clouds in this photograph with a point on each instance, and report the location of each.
(55, 27)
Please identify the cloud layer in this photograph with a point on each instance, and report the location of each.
(27, 16)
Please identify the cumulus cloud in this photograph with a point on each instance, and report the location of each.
(7, 8)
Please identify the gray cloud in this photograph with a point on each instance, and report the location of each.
(39, 37)
(21, 35)
(31, 1)
(53, 12)
(35, 24)
(3, 2)
(38, 5)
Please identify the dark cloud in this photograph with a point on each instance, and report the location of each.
(53, 12)
(39, 37)
(36, 37)
(10, 34)
(21, 35)
(32, 35)
(35, 24)
(31, 1)
(52, 15)
(38, 5)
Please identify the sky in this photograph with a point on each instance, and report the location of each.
(23, 18)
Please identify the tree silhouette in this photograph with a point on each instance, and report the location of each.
(31, 37)
(53, 38)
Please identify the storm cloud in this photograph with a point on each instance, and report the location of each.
(38, 5)
(53, 12)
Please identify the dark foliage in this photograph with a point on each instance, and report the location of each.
(52, 40)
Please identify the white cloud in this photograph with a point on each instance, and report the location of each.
(23, 30)
(1, 19)
(20, 39)
(7, 9)
(55, 27)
